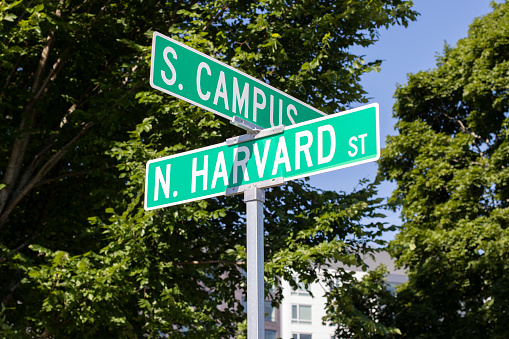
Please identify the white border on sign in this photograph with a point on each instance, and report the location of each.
(330, 169)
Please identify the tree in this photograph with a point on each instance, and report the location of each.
(362, 308)
(78, 254)
(451, 164)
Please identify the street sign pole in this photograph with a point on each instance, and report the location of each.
(254, 198)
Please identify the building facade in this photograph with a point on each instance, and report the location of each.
(300, 315)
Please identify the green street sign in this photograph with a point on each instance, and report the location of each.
(203, 81)
(317, 146)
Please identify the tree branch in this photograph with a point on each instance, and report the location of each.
(23, 191)
(463, 128)
(16, 159)
(83, 99)
(63, 176)
(50, 40)
(34, 164)
(57, 67)
(21, 144)
(129, 92)
(238, 263)
(174, 14)
(214, 18)
(12, 287)
(14, 68)
(17, 249)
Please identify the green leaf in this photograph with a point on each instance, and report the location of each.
(33, 274)
(82, 265)
(58, 258)
(10, 17)
(39, 8)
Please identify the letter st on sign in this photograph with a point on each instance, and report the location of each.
(321, 145)
(192, 76)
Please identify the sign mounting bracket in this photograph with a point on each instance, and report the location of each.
(252, 134)
(246, 125)
(261, 185)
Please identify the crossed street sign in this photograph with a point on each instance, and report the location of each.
(206, 82)
(312, 147)
(312, 144)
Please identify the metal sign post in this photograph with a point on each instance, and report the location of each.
(255, 198)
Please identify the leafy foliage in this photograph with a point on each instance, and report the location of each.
(362, 308)
(451, 164)
(79, 257)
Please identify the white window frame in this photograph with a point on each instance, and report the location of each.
(301, 289)
(298, 320)
(273, 331)
(270, 317)
(299, 335)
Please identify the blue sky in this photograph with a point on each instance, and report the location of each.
(403, 51)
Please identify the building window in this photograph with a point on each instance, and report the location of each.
(301, 289)
(244, 304)
(301, 314)
(391, 287)
(301, 336)
(269, 334)
(335, 282)
(270, 312)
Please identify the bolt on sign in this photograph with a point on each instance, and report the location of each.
(321, 145)
(201, 80)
